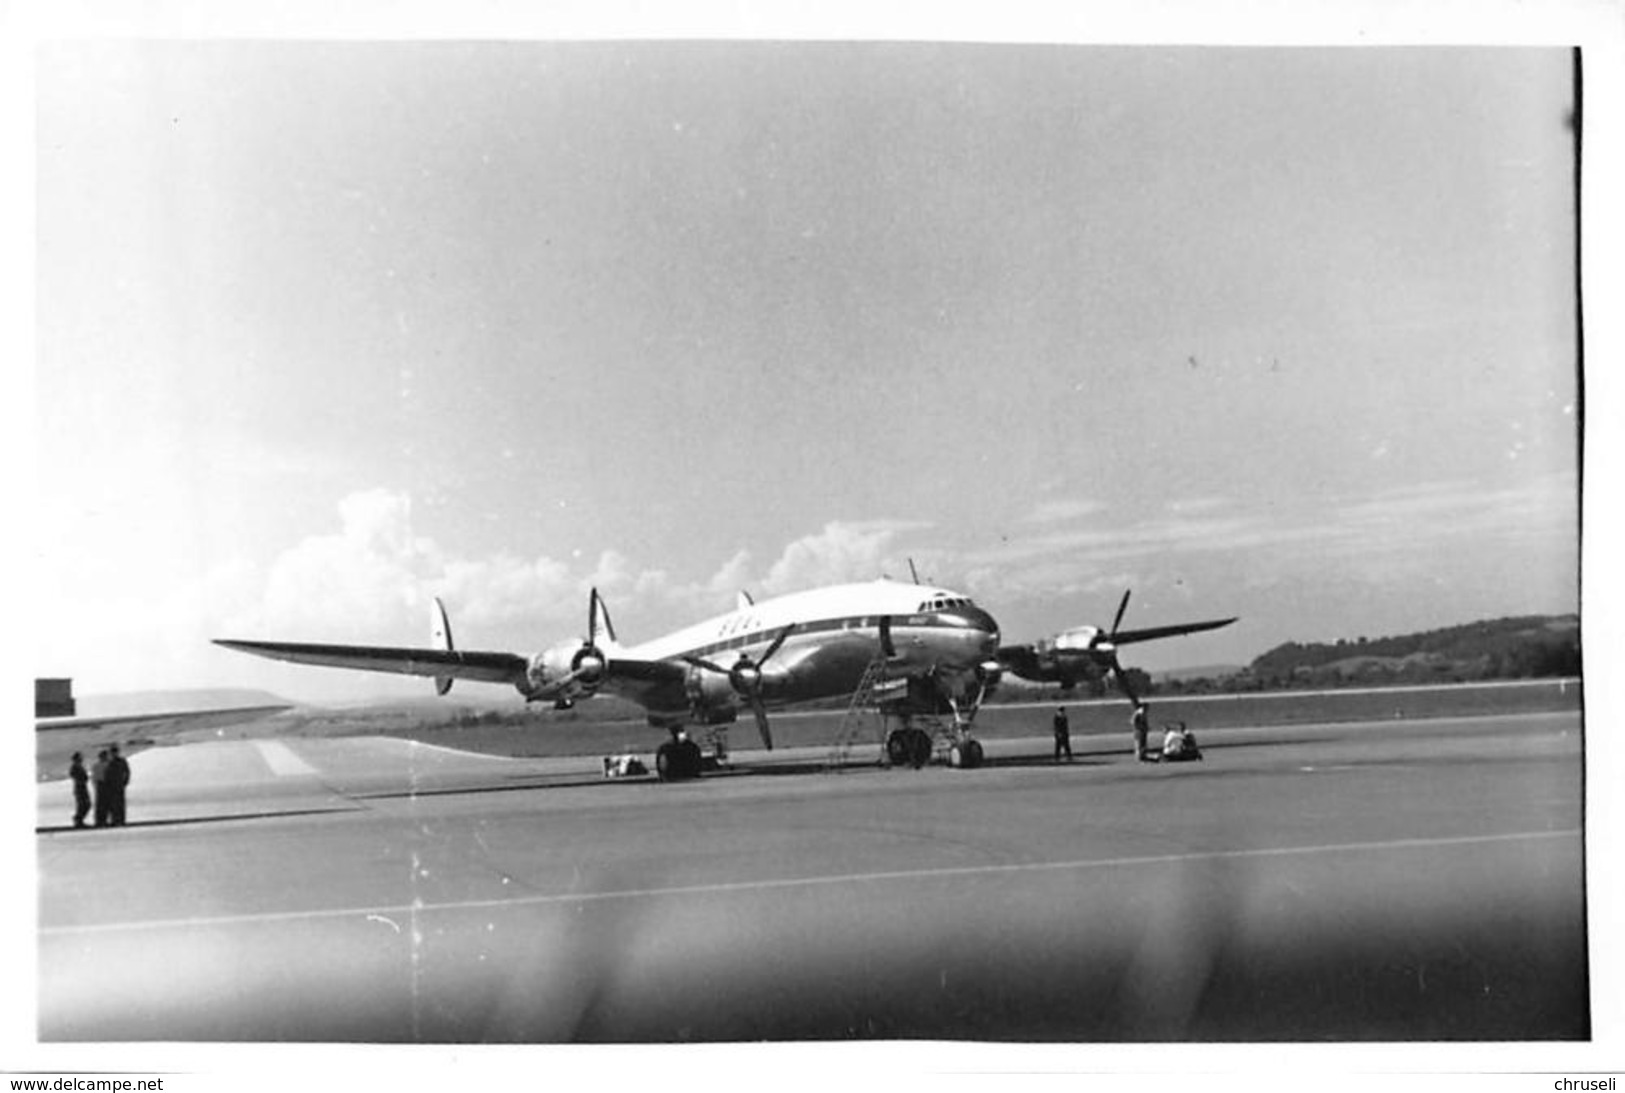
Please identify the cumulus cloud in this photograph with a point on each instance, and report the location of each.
(358, 580)
(840, 552)
(370, 580)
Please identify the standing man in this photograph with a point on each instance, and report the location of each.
(118, 776)
(98, 782)
(1142, 726)
(81, 789)
(1063, 735)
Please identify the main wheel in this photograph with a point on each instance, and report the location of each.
(666, 761)
(692, 760)
(897, 749)
(919, 748)
(973, 753)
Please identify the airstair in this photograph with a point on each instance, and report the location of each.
(855, 723)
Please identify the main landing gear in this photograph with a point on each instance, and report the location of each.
(912, 746)
(677, 759)
(908, 746)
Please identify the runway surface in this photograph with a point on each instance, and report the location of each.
(1392, 880)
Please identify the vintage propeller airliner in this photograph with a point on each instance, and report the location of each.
(926, 651)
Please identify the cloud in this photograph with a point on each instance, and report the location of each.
(363, 580)
(1188, 505)
(840, 552)
(1060, 509)
(371, 579)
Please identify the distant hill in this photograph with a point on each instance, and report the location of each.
(1522, 647)
(1209, 671)
(177, 701)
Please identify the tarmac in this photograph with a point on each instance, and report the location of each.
(1393, 880)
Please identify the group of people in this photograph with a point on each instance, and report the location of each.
(106, 779)
(1178, 743)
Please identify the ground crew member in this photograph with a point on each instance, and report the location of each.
(1142, 726)
(81, 789)
(98, 783)
(1173, 744)
(1063, 735)
(1179, 745)
(118, 776)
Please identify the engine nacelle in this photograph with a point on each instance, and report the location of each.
(709, 694)
(988, 675)
(1079, 639)
(563, 672)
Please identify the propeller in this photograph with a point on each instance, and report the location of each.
(746, 679)
(1108, 649)
(588, 663)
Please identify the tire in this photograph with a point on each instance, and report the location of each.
(897, 749)
(692, 760)
(973, 754)
(919, 748)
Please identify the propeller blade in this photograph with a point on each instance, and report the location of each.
(708, 665)
(1122, 681)
(774, 648)
(760, 711)
(1121, 607)
(592, 618)
(886, 647)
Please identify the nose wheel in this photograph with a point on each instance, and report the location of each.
(965, 754)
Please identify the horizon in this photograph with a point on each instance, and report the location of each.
(477, 693)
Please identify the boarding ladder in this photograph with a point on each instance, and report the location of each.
(856, 718)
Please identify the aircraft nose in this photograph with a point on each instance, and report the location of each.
(983, 623)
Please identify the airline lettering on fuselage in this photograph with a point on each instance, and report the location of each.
(740, 633)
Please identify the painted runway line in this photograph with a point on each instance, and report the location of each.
(418, 908)
(282, 761)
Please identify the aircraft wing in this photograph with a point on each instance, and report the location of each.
(1129, 637)
(438, 663)
(639, 680)
(56, 738)
(191, 719)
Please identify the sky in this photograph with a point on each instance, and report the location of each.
(324, 329)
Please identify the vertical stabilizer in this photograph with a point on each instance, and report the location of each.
(441, 637)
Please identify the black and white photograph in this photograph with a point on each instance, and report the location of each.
(952, 543)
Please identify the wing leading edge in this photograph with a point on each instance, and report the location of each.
(657, 682)
(1129, 637)
(435, 663)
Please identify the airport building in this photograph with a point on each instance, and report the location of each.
(53, 698)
